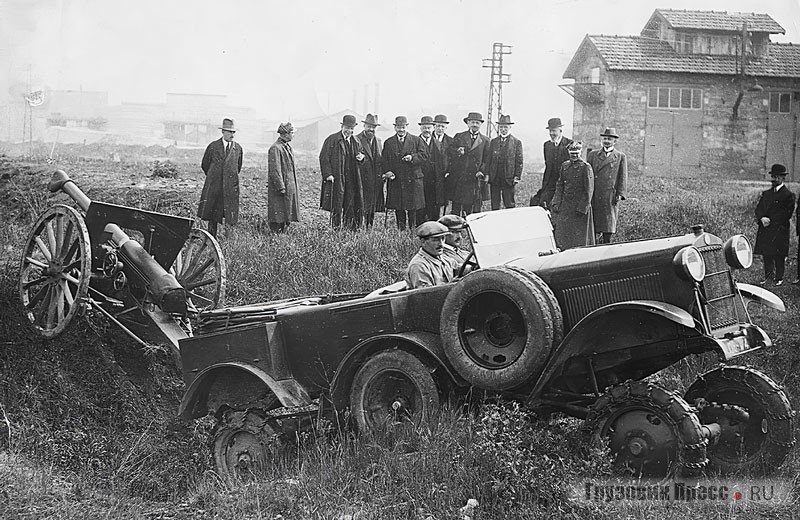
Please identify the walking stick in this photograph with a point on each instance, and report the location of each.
(385, 209)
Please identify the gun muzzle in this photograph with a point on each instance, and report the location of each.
(60, 181)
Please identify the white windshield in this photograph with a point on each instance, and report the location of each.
(501, 236)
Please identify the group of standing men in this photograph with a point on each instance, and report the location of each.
(422, 173)
(582, 195)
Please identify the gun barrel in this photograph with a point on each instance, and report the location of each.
(61, 181)
(168, 293)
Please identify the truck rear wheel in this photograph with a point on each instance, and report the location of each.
(496, 328)
(753, 444)
(391, 388)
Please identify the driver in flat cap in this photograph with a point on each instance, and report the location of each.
(427, 268)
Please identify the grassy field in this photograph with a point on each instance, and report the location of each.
(87, 421)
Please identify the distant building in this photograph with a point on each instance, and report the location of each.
(310, 133)
(695, 91)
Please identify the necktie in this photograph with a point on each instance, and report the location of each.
(227, 149)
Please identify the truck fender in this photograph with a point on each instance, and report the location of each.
(574, 343)
(426, 345)
(751, 293)
(288, 391)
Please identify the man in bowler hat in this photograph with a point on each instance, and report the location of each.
(342, 191)
(610, 167)
(222, 162)
(555, 154)
(504, 167)
(432, 181)
(773, 214)
(403, 156)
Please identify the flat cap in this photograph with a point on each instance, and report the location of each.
(432, 229)
(453, 222)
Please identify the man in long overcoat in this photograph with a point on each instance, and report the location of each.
(371, 171)
(467, 155)
(441, 162)
(555, 154)
(283, 206)
(403, 155)
(504, 168)
(610, 167)
(222, 162)
(774, 215)
(572, 202)
(432, 182)
(342, 192)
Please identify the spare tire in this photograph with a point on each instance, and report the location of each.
(496, 328)
(552, 303)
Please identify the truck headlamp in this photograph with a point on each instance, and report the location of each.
(690, 264)
(738, 252)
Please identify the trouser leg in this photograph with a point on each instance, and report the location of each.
(780, 267)
(605, 238)
(412, 220)
(508, 198)
(769, 266)
(212, 228)
(496, 191)
(400, 216)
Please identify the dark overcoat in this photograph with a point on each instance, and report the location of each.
(505, 163)
(406, 191)
(371, 173)
(572, 205)
(554, 157)
(282, 208)
(773, 240)
(220, 196)
(332, 162)
(432, 179)
(441, 165)
(466, 189)
(610, 181)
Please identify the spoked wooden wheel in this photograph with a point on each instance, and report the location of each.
(55, 270)
(200, 269)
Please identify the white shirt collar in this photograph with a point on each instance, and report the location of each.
(558, 140)
(778, 187)
(608, 150)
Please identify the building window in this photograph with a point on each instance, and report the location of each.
(780, 102)
(595, 72)
(683, 43)
(668, 97)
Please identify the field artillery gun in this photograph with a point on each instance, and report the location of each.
(578, 332)
(117, 260)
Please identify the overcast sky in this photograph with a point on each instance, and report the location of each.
(295, 59)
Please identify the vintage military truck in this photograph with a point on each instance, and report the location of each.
(577, 332)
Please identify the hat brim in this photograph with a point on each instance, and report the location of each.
(504, 123)
(443, 233)
(368, 123)
(553, 127)
(467, 120)
(615, 136)
(779, 173)
(228, 129)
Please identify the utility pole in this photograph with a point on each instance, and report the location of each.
(497, 79)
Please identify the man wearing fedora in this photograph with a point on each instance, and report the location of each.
(371, 170)
(467, 154)
(403, 156)
(340, 162)
(773, 215)
(610, 167)
(283, 204)
(504, 167)
(222, 162)
(555, 154)
(432, 181)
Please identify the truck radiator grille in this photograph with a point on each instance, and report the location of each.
(718, 289)
(580, 301)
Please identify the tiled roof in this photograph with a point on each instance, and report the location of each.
(647, 54)
(720, 21)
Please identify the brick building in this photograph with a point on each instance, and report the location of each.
(696, 91)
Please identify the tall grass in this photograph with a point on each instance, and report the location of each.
(91, 427)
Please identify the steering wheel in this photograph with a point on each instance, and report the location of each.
(471, 261)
